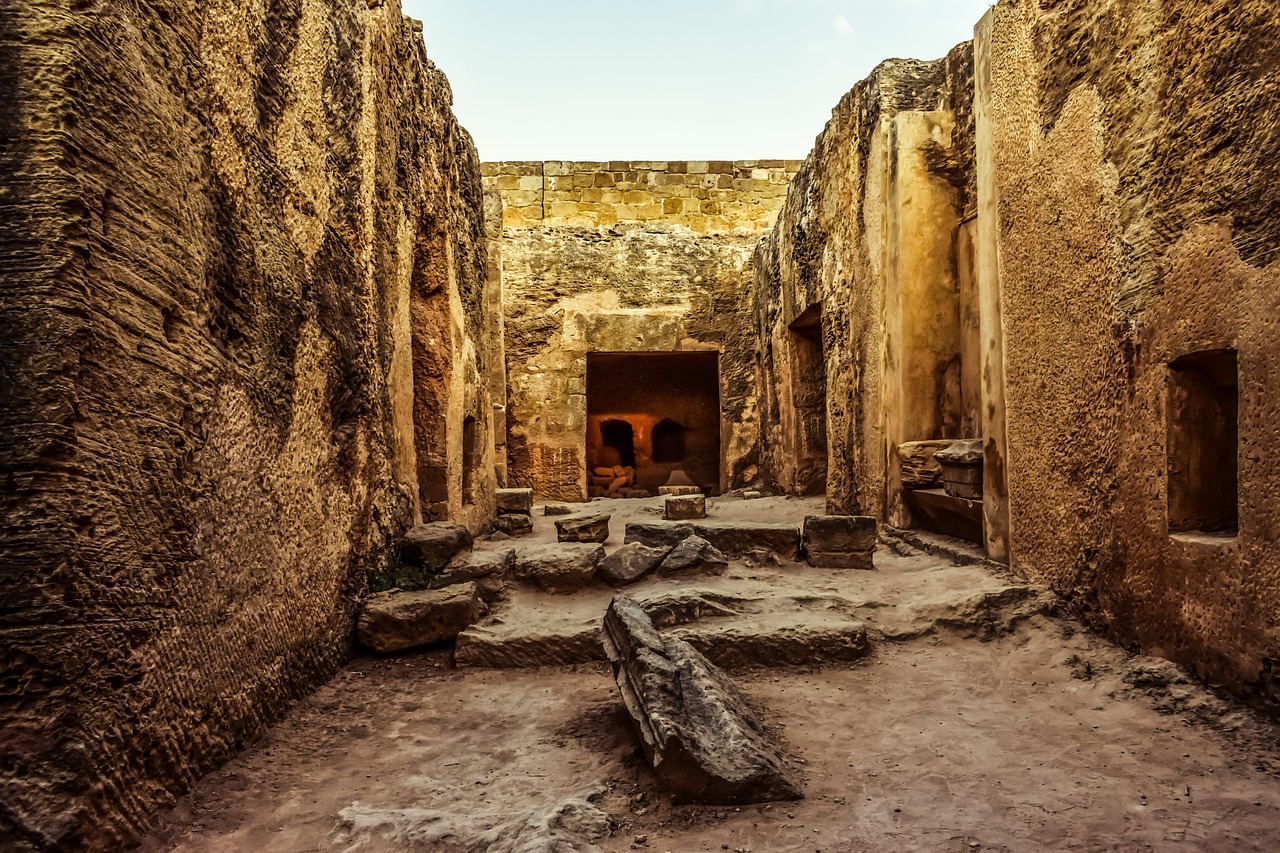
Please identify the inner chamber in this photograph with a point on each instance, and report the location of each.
(655, 412)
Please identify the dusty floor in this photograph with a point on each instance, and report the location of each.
(1045, 738)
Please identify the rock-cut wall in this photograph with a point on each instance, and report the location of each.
(216, 221)
(1063, 239)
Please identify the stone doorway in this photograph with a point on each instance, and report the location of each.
(654, 412)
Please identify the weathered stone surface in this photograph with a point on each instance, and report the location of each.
(395, 621)
(685, 508)
(490, 570)
(586, 528)
(752, 495)
(557, 509)
(657, 534)
(736, 539)
(839, 541)
(919, 469)
(694, 555)
(737, 632)
(561, 568)
(515, 524)
(630, 563)
(432, 546)
(698, 731)
(515, 501)
(507, 646)
(677, 491)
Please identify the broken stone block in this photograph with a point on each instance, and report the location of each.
(962, 469)
(630, 563)
(683, 508)
(737, 539)
(694, 555)
(514, 525)
(657, 534)
(920, 470)
(677, 491)
(559, 568)
(557, 509)
(699, 733)
(840, 541)
(489, 569)
(584, 528)
(395, 621)
(432, 546)
(751, 495)
(515, 501)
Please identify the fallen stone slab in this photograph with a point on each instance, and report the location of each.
(515, 501)
(395, 621)
(692, 556)
(489, 569)
(630, 563)
(513, 646)
(738, 538)
(584, 528)
(514, 524)
(699, 733)
(432, 546)
(657, 534)
(839, 541)
(562, 568)
(557, 509)
(685, 508)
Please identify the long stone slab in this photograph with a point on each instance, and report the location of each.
(698, 731)
(738, 538)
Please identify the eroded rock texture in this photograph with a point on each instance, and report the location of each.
(698, 731)
(1061, 239)
(214, 220)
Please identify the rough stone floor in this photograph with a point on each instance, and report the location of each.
(979, 721)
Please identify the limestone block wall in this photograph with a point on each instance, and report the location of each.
(220, 226)
(708, 197)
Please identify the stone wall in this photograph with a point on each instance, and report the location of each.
(1031, 241)
(869, 243)
(708, 197)
(1134, 188)
(630, 288)
(216, 224)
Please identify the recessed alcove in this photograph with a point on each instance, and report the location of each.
(655, 412)
(1203, 444)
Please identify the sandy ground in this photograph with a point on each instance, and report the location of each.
(1045, 738)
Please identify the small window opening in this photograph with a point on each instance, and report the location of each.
(668, 442)
(1203, 443)
(469, 460)
(620, 437)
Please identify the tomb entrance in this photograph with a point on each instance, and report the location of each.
(649, 414)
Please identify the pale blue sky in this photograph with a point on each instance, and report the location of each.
(669, 79)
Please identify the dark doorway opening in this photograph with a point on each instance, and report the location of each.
(618, 437)
(470, 460)
(809, 396)
(669, 401)
(1203, 443)
(668, 442)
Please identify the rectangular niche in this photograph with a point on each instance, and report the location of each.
(809, 397)
(1203, 443)
(655, 412)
